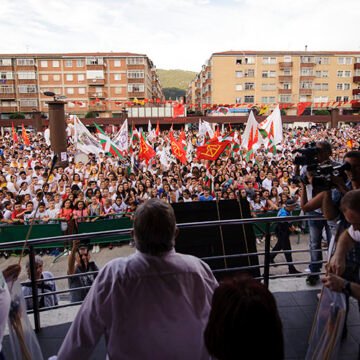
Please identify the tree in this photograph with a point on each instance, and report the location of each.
(90, 114)
(17, 115)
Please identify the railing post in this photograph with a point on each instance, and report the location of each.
(34, 289)
(267, 255)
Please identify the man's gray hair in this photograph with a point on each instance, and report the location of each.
(154, 227)
(38, 261)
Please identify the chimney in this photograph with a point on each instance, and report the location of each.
(305, 47)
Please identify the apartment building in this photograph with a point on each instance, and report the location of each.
(99, 82)
(269, 77)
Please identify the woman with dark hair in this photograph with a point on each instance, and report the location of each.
(244, 322)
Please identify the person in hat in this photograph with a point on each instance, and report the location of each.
(282, 231)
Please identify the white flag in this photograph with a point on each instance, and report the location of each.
(121, 138)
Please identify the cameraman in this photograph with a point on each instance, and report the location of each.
(311, 203)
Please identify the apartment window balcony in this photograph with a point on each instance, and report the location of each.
(136, 94)
(356, 79)
(96, 81)
(307, 77)
(285, 65)
(97, 94)
(6, 109)
(285, 78)
(28, 108)
(97, 107)
(307, 65)
(305, 91)
(284, 91)
(26, 81)
(356, 91)
(8, 96)
(356, 66)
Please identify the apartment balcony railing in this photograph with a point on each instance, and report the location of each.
(356, 66)
(96, 82)
(285, 78)
(6, 109)
(284, 91)
(305, 91)
(10, 96)
(307, 64)
(97, 107)
(27, 81)
(307, 77)
(356, 79)
(356, 91)
(97, 94)
(285, 65)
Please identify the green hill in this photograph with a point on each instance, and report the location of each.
(175, 82)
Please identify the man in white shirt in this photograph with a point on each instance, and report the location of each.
(153, 304)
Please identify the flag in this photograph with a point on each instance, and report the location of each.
(146, 151)
(121, 138)
(301, 106)
(25, 136)
(106, 143)
(212, 150)
(264, 110)
(14, 134)
(177, 148)
(178, 110)
(157, 131)
(250, 136)
(350, 144)
(149, 127)
(205, 127)
(271, 128)
(83, 140)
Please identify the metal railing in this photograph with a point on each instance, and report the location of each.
(217, 223)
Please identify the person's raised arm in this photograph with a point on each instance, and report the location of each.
(71, 259)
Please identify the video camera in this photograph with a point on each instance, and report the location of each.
(308, 155)
(323, 173)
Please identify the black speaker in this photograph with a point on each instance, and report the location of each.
(217, 240)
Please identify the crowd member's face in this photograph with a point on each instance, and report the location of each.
(353, 218)
(354, 173)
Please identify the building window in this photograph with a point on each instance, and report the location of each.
(27, 75)
(56, 63)
(346, 98)
(117, 63)
(81, 90)
(136, 88)
(118, 90)
(268, 99)
(95, 74)
(134, 60)
(5, 62)
(285, 98)
(249, 73)
(94, 61)
(25, 62)
(338, 98)
(268, 74)
(306, 85)
(322, 60)
(287, 86)
(339, 86)
(287, 58)
(319, 99)
(57, 91)
(81, 77)
(43, 63)
(135, 74)
(45, 77)
(249, 99)
(5, 89)
(339, 73)
(6, 76)
(347, 73)
(56, 77)
(27, 89)
(28, 103)
(79, 63)
(69, 77)
(249, 86)
(117, 77)
(346, 86)
(344, 60)
(238, 74)
(69, 90)
(306, 72)
(238, 100)
(238, 87)
(268, 87)
(307, 59)
(68, 63)
(322, 74)
(268, 60)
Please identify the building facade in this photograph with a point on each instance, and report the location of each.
(98, 82)
(259, 77)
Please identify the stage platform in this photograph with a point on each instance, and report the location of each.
(296, 310)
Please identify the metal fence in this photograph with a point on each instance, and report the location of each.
(267, 221)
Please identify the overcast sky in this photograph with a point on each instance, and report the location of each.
(177, 34)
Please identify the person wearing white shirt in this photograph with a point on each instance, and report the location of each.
(156, 295)
(267, 182)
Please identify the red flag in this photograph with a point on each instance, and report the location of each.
(157, 130)
(14, 134)
(146, 151)
(182, 136)
(211, 151)
(177, 149)
(25, 137)
(301, 106)
(179, 110)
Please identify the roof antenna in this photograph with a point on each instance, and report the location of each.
(305, 47)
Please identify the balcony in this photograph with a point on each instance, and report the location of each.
(307, 65)
(9, 96)
(285, 78)
(95, 66)
(356, 79)
(97, 94)
(356, 66)
(284, 91)
(285, 65)
(6, 109)
(307, 77)
(136, 94)
(305, 91)
(136, 81)
(26, 81)
(28, 109)
(356, 91)
(96, 82)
